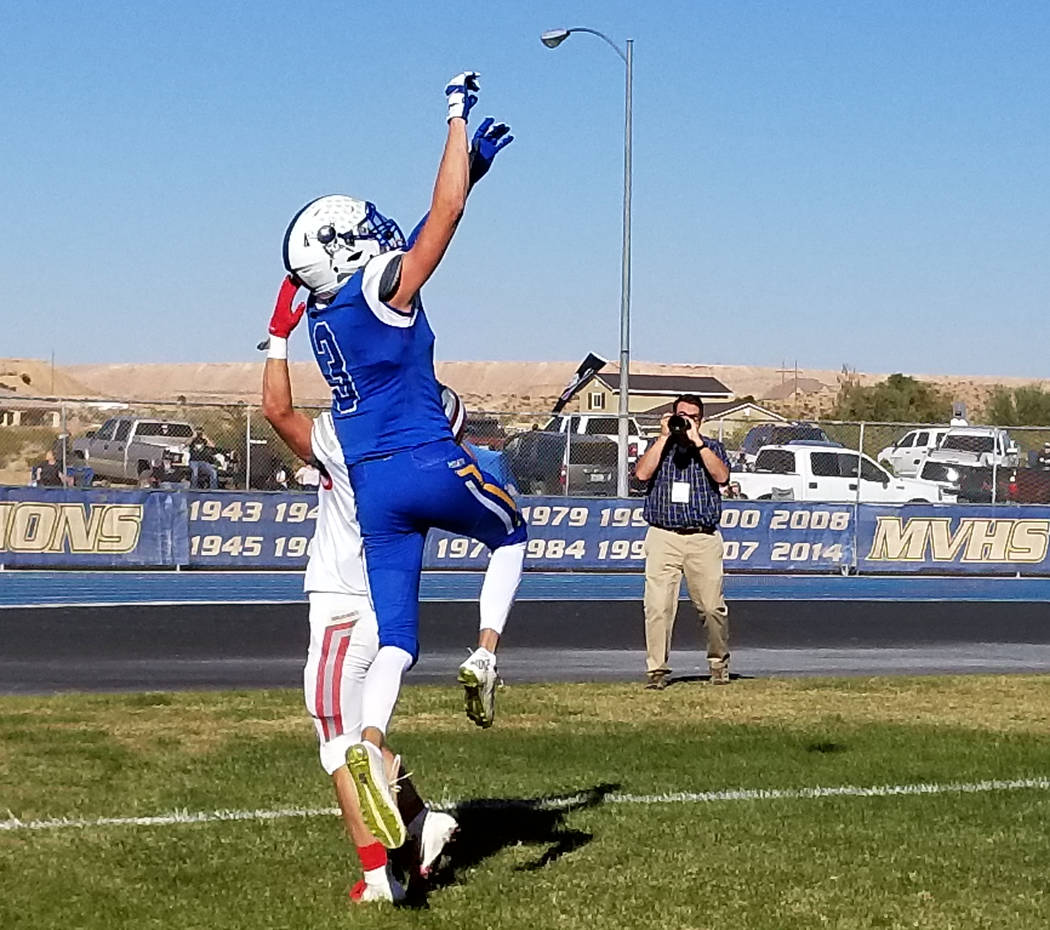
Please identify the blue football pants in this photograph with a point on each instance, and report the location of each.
(401, 497)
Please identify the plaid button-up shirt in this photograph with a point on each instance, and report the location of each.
(705, 500)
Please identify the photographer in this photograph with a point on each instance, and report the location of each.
(683, 507)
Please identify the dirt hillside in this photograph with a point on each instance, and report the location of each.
(34, 377)
(495, 386)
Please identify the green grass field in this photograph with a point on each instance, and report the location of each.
(603, 860)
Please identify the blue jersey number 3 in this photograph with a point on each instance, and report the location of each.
(330, 358)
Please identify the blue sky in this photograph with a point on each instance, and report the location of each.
(833, 182)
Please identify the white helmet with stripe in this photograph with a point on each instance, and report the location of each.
(332, 237)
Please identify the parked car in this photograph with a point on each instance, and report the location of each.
(123, 449)
(805, 472)
(905, 456)
(974, 446)
(967, 483)
(544, 462)
(589, 424)
(775, 434)
(484, 431)
(1012, 485)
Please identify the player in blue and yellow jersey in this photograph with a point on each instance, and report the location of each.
(375, 346)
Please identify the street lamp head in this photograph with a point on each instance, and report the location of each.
(552, 38)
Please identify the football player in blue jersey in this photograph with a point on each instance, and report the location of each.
(375, 346)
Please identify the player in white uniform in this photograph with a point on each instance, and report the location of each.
(344, 634)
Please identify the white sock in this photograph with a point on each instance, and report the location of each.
(500, 586)
(382, 687)
(376, 876)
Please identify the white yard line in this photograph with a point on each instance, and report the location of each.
(685, 797)
(162, 820)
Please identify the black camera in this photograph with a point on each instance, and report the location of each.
(678, 425)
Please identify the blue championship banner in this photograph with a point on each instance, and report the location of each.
(273, 530)
(954, 540)
(105, 528)
(232, 529)
(574, 534)
(59, 527)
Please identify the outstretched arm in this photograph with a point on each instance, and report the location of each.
(488, 140)
(449, 199)
(291, 425)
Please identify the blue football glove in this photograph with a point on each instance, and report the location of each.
(461, 93)
(488, 140)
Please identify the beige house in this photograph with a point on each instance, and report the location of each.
(25, 411)
(729, 420)
(647, 391)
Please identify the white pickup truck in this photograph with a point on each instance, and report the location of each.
(905, 456)
(824, 472)
(589, 424)
(975, 446)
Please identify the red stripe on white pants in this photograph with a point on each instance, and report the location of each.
(323, 690)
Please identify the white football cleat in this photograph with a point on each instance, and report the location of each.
(438, 829)
(478, 677)
(376, 794)
(390, 891)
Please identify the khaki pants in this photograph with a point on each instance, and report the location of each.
(699, 556)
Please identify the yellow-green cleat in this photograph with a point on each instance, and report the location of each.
(478, 677)
(375, 794)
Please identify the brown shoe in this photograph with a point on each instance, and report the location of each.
(656, 681)
(720, 673)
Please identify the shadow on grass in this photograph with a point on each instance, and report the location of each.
(488, 825)
(706, 679)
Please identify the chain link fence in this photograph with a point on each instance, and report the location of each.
(91, 443)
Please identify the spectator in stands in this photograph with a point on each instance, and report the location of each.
(63, 448)
(48, 474)
(202, 459)
(272, 474)
(683, 507)
(280, 477)
(162, 475)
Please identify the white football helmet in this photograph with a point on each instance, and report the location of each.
(332, 237)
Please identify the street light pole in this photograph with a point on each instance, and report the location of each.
(625, 289)
(552, 39)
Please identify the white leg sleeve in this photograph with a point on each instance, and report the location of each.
(382, 687)
(501, 585)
